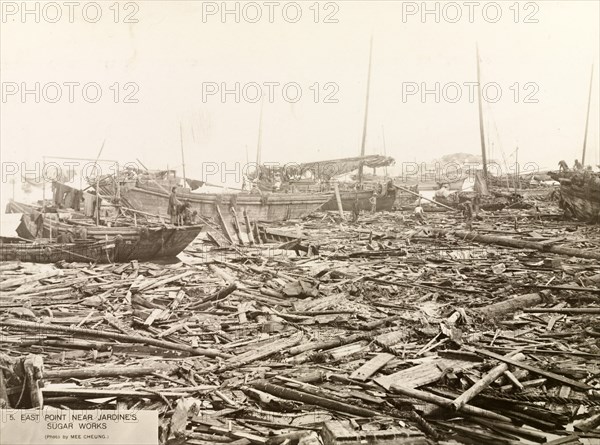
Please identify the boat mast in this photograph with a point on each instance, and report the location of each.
(517, 170)
(182, 155)
(43, 185)
(98, 185)
(384, 150)
(587, 119)
(364, 134)
(259, 144)
(481, 130)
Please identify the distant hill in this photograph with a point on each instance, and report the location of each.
(459, 158)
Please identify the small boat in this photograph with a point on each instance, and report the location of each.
(142, 243)
(579, 194)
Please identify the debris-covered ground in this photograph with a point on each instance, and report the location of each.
(384, 331)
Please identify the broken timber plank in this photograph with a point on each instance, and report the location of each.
(165, 280)
(248, 228)
(40, 328)
(444, 402)
(371, 367)
(564, 310)
(108, 371)
(28, 279)
(519, 243)
(328, 344)
(511, 305)
(223, 225)
(482, 384)
(424, 373)
(338, 200)
(262, 352)
(300, 396)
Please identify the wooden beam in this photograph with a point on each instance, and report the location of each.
(548, 374)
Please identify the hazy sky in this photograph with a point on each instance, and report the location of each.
(179, 49)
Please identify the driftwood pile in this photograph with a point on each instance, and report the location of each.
(386, 331)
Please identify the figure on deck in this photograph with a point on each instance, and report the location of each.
(173, 205)
(391, 188)
(66, 237)
(277, 183)
(563, 167)
(246, 184)
(184, 214)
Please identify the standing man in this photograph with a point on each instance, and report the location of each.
(355, 210)
(467, 211)
(373, 201)
(173, 205)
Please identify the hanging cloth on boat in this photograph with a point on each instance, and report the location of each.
(59, 191)
(194, 184)
(480, 184)
(77, 197)
(89, 202)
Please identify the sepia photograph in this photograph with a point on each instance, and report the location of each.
(302, 222)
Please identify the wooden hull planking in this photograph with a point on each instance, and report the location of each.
(384, 203)
(580, 194)
(582, 202)
(86, 252)
(265, 207)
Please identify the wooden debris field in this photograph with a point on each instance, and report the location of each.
(384, 331)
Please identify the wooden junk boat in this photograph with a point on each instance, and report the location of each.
(121, 242)
(149, 192)
(579, 194)
(318, 177)
(580, 187)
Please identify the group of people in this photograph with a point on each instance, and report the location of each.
(356, 206)
(179, 212)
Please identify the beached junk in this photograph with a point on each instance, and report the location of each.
(579, 194)
(71, 235)
(149, 192)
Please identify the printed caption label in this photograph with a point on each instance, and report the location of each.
(78, 427)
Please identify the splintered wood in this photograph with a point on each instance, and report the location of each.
(321, 331)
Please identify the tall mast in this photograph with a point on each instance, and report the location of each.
(98, 185)
(384, 150)
(182, 156)
(258, 146)
(517, 171)
(364, 134)
(587, 118)
(43, 185)
(481, 130)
